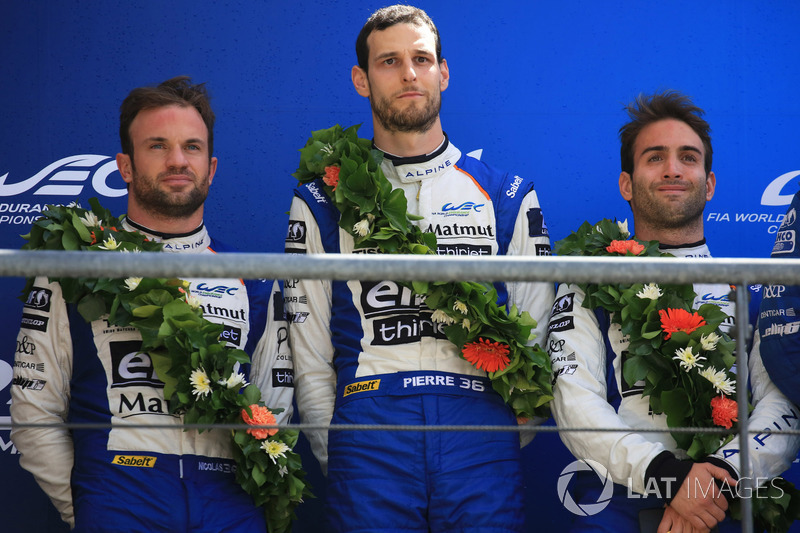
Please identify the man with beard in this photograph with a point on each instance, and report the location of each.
(120, 478)
(373, 353)
(667, 179)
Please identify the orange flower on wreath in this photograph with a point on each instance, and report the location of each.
(261, 417)
(487, 355)
(674, 320)
(331, 176)
(724, 411)
(623, 247)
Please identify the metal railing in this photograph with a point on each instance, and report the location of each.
(741, 272)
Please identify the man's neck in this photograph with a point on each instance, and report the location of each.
(164, 224)
(669, 236)
(408, 144)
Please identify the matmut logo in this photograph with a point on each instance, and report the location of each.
(67, 177)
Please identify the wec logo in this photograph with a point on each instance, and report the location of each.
(772, 194)
(68, 177)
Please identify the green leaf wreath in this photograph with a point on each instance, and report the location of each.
(681, 355)
(490, 337)
(197, 368)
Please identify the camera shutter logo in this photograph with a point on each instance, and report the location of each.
(585, 509)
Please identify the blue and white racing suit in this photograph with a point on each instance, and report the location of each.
(587, 352)
(127, 478)
(369, 353)
(779, 320)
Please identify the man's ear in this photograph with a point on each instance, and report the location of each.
(125, 167)
(360, 81)
(212, 169)
(711, 186)
(445, 81)
(626, 186)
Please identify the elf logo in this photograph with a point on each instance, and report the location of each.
(68, 177)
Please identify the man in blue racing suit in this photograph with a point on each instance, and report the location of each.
(370, 352)
(779, 319)
(667, 179)
(123, 477)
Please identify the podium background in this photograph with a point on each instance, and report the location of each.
(538, 86)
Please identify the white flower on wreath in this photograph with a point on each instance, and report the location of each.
(719, 380)
(623, 228)
(201, 385)
(282, 471)
(460, 307)
(234, 381)
(442, 317)
(650, 291)
(687, 358)
(274, 449)
(709, 342)
(466, 324)
(132, 283)
(193, 301)
(110, 244)
(90, 220)
(361, 228)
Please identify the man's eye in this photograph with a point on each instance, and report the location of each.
(158, 146)
(192, 147)
(389, 61)
(690, 157)
(655, 158)
(422, 60)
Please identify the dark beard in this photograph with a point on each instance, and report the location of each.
(412, 120)
(168, 205)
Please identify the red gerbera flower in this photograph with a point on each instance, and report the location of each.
(724, 411)
(331, 176)
(673, 320)
(487, 355)
(261, 417)
(94, 238)
(623, 247)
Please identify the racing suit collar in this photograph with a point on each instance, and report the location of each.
(417, 168)
(693, 249)
(195, 240)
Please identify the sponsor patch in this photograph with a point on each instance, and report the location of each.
(563, 304)
(296, 233)
(27, 365)
(463, 249)
(784, 242)
(543, 249)
(282, 377)
(362, 386)
(25, 383)
(231, 334)
(536, 225)
(39, 323)
(25, 347)
(129, 368)
(563, 324)
(39, 299)
(140, 461)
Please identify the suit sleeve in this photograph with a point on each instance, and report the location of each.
(578, 352)
(530, 237)
(308, 305)
(40, 394)
(770, 454)
(271, 367)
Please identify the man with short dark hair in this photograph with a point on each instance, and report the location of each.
(352, 332)
(130, 478)
(667, 179)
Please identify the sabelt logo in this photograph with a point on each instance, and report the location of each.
(140, 461)
(68, 177)
(362, 386)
